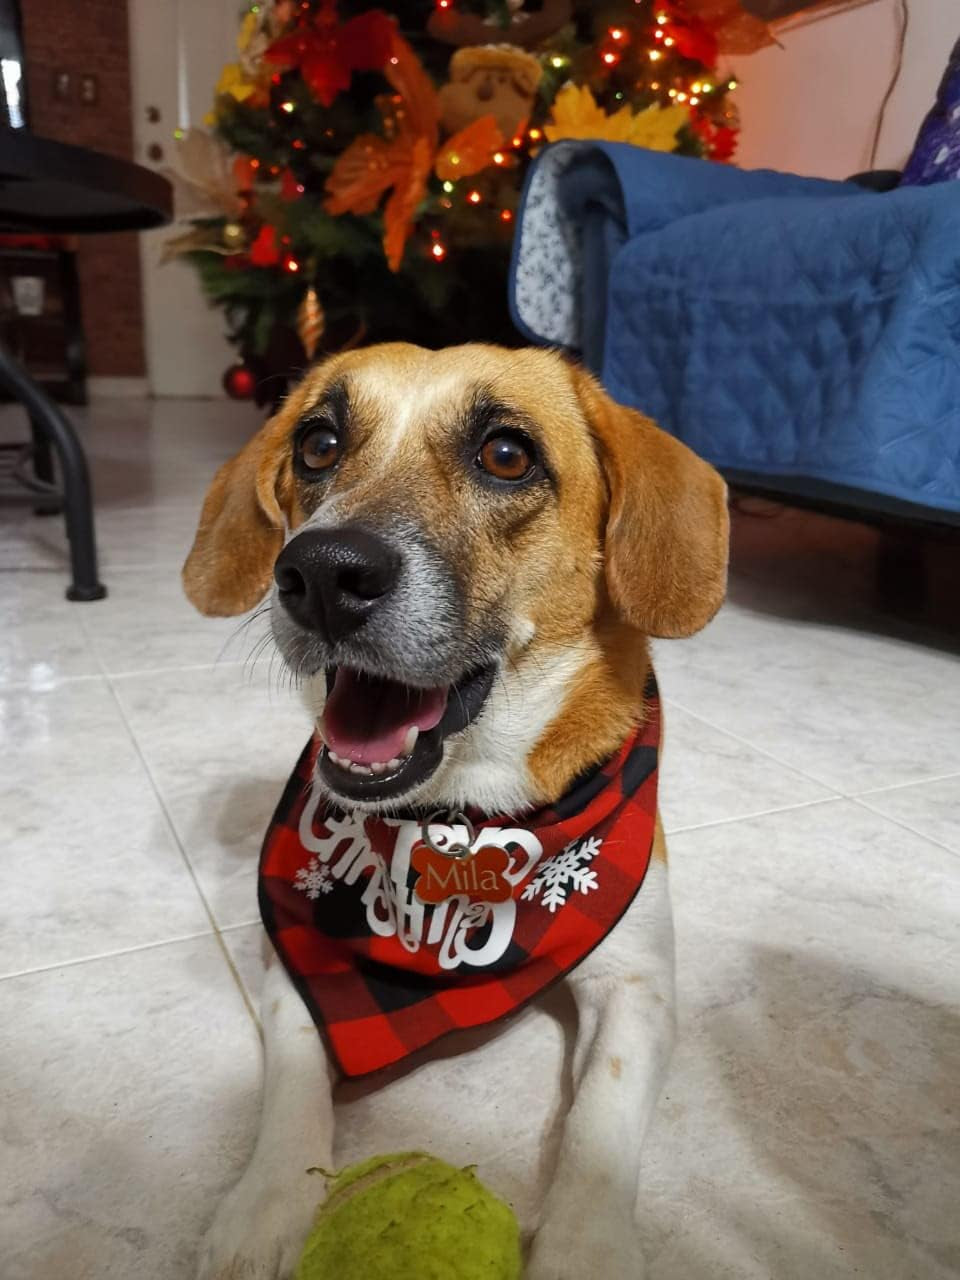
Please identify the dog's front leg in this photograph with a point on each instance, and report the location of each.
(624, 996)
(261, 1225)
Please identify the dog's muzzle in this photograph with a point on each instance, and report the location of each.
(386, 627)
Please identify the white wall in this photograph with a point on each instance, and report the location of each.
(177, 48)
(811, 107)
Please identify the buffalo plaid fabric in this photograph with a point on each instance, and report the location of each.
(382, 974)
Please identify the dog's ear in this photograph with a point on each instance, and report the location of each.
(667, 532)
(240, 535)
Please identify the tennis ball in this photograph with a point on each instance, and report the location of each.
(411, 1217)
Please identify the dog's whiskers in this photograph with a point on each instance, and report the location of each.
(255, 654)
(239, 631)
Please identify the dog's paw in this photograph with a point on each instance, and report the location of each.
(584, 1243)
(259, 1230)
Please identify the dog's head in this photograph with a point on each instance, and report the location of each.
(467, 549)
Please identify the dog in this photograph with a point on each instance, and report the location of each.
(482, 541)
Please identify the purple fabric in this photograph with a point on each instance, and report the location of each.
(936, 153)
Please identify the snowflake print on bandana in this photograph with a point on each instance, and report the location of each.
(562, 874)
(313, 880)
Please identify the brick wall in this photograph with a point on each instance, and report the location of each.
(90, 38)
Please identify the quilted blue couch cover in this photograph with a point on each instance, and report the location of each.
(781, 326)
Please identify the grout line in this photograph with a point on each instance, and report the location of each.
(160, 671)
(904, 786)
(105, 955)
(241, 924)
(746, 817)
(28, 686)
(20, 686)
(802, 773)
(232, 928)
(175, 836)
(835, 792)
(905, 826)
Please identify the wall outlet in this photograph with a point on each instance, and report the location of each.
(89, 90)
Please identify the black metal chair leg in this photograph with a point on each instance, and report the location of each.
(43, 469)
(42, 455)
(52, 424)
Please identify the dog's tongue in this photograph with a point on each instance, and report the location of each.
(367, 719)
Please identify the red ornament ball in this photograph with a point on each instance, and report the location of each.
(239, 382)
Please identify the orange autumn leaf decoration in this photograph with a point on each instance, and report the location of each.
(402, 161)
(469, 151)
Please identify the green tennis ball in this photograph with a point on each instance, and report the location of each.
(411, 1217)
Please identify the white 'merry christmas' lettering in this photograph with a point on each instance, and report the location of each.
(392, 908)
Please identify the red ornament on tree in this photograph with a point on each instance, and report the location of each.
(239, 382)
(265, 252)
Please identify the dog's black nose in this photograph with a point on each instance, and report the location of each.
(330, 580)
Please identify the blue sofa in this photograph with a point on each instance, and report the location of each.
(803, 335)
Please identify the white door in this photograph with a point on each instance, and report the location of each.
(177, 50)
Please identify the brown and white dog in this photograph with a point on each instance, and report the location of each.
(487, 528)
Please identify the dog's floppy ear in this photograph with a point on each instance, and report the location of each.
(667, 528)
(230, 565)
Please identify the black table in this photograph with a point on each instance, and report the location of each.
(50, 187)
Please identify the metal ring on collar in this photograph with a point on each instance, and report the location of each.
(451, 817)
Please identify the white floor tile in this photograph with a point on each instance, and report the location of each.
(135, 538)
(28, 544)
(41, 654)
(89, 864)
(931, 808)
(28, 597)
(850, 709)
(221, 744)
(146, 623)
(129, 1089)
(809, 1125)
(708, 776)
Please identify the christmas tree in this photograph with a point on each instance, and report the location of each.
(361, 177)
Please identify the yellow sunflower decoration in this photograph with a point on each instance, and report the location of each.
(240, 79)
(577, 114)
(234, 83)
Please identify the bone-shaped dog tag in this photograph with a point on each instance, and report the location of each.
(477, 876)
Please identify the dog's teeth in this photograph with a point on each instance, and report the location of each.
(365, 769)
(333, 756)
(410, 741)
(379, 767)
(394, 763)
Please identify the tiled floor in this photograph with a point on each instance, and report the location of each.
(812, 789)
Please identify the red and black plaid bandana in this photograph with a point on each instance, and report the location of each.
(382, 973)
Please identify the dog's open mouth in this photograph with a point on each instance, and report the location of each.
(383, 738)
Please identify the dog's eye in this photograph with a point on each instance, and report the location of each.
(506, 456)
(320, 448)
